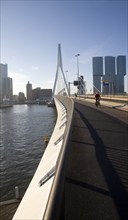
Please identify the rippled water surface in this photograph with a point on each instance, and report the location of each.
(22, 128)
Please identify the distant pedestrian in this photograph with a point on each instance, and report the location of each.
(97, 98)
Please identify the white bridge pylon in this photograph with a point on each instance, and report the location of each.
(63, 86)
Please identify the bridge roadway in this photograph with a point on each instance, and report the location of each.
(96, 185)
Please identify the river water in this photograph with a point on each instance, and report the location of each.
(22, 128)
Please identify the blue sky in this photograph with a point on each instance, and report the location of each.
(31, 31)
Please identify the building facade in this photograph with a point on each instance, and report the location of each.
(42, 94)
(111, 80)
(6, 84)
(121, 72)
(37, 94)
(97, 73)
(29, 91)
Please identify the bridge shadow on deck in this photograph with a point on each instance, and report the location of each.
(94, 188)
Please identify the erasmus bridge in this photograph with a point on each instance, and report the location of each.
(83, 173)
(60, 84)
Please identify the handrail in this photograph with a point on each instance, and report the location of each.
(54, 205)
(47, 184)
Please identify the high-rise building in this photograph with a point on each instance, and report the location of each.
(3, 75)
(109, 79)
(113, 76)
(3, 70)
(8, 88)
(109, 65)
(121, 72)
(6, 85)
(97, 73)
(29, 91)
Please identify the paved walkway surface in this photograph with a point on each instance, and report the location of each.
(110, 103)
(97, 173)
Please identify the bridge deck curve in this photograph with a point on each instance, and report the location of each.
(96, 184)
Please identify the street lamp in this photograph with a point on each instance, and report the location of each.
(77, 55)
(67, 81)
(66, 75)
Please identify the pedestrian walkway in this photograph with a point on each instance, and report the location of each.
(112, 104)
(96, 178)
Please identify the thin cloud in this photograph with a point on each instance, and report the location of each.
(35, 68)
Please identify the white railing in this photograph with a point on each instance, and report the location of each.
(35, 202)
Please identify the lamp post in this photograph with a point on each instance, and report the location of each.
(77, 55)
(67, 81)
(66, 75)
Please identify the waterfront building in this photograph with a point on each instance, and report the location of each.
(15, 98)
(37, 93)
(6, 84)
(8, 88)
(121, 72)
(29, 91)
(46, 94)
(3, 74)
(97, 73)
(42, 94)
(21, 97)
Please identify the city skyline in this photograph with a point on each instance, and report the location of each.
(32, 30)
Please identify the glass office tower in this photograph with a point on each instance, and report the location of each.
(109, 76)
(121, 72)
(112, 76)
(97, 73)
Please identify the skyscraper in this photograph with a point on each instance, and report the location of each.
(97, 73)
(6, 87)
(113, 76)
(29, 91)
(121, 72)
(109, 76)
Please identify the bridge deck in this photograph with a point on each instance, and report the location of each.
(97, 172)
(96, 178)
